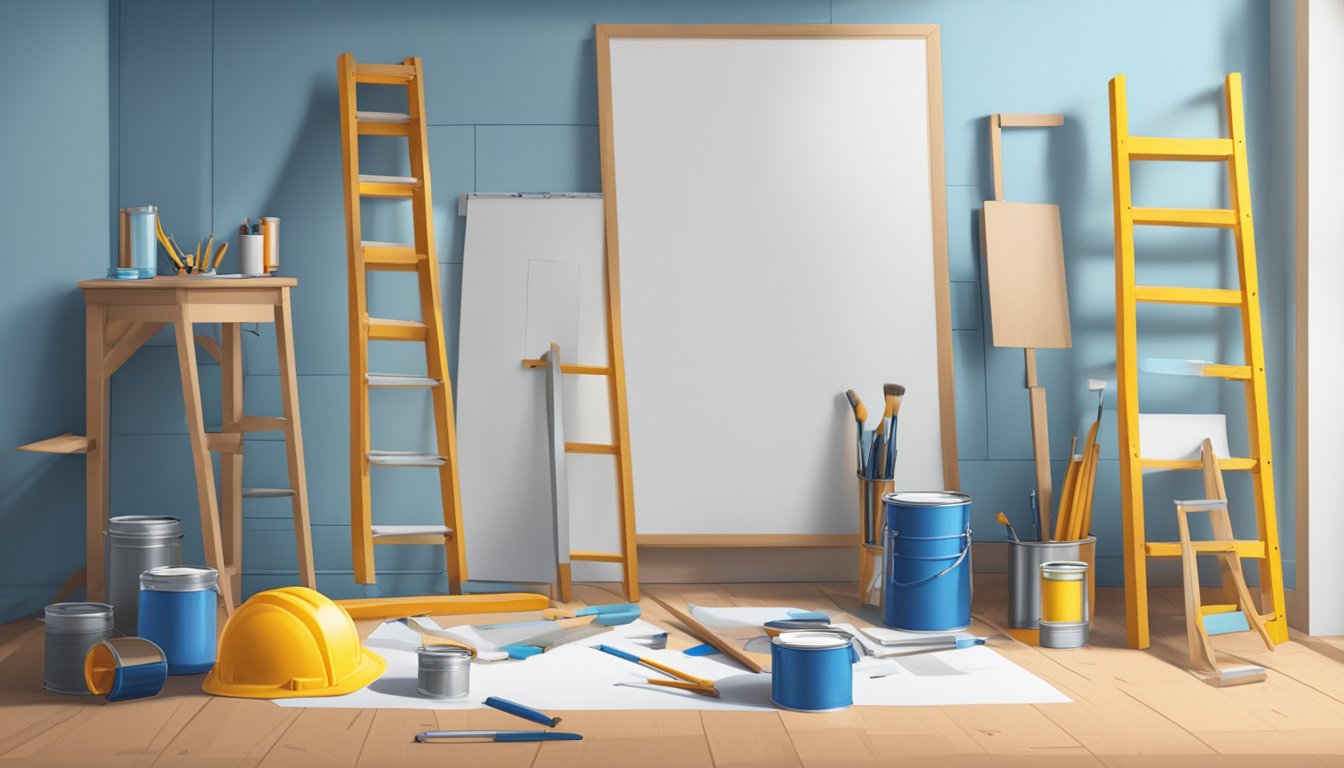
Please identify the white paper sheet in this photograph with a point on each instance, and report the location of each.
(579, 677)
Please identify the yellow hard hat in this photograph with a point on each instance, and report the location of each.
(288, 643)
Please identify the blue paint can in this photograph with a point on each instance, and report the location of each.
(810, 670)
(124, 668)
(177, 613)
(927, 560)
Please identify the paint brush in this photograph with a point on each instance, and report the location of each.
(209, 248)
(424, 736)
(893, 393)
(685, 681)
(521, 710)
(860, 416)
(1003, 520)
(219, 255)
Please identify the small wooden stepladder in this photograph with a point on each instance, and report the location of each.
(419, 258)
(1259, 461)
(1204, 621)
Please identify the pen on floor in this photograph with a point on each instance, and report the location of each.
(424, 736)
(521, 710)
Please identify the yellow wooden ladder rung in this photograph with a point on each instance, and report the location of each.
(575, 368)
(1185, 217)
(1234, 464)
(382, 124)
(384, 74)
(598, 448)
(1254, 550)
(381, 329)
(1231, 372)
(598, 557)
(391, 257)
(1210, 297)
(1154, 148)
(374, 185)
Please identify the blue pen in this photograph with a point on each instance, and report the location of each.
(499, 735)
(519, 710)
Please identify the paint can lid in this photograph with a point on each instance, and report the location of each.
(443, 657)
(78, 617)
(1064, 570)
(179, 578)
(141, 209)
(926, 498)
(145, 527)
(812, 640)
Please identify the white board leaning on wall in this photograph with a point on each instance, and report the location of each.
(775, 196)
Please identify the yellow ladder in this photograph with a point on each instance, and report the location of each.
(1232, 150)
(417, 257)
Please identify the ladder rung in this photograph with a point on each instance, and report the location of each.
(1227, 465)
(1225, 623)
(371, 185)
(398, 381)
(387, 531)
(590, 448)
(1254, 550)
(1213, 297)
(397, 257)
(381, 329)
(405, 459)
(262, 424)
(597, 557)
(384, 74)
(584, 370)
(1154, 148)
(382, 123)
(267, 493)
(1185, 217)
(1174, 367)
(224, 442)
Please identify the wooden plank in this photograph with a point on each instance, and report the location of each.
(710, 636)
(66, 443)
(294, 460)
(118, 735)
(906, 732)
(1031, 120)
(97, 427)
(1024, 263)
(239, 731)
(747, 540)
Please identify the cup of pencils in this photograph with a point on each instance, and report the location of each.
(875, 451)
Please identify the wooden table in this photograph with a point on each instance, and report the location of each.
(121, 315)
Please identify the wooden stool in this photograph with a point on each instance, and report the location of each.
(121, 315)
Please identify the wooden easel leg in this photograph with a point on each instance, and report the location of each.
(95, 466)
(76, 579)
(298, 479)
(231, 464)
(200, 453)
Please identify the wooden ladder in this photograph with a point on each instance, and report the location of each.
(417, 257)
(1232, 150)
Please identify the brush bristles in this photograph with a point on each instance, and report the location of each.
(893, 390)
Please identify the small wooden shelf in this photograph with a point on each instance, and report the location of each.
(67, 443)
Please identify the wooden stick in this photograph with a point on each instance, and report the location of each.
(710, 636)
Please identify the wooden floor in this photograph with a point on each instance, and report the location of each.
(1129, 708)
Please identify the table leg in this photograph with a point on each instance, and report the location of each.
(298, 480)
(231, 464)
(96, 426)
(200, 453)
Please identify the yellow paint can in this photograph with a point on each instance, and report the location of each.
(1064, 591)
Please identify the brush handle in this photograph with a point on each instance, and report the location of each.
(523, 711)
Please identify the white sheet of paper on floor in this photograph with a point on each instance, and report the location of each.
(578, 677)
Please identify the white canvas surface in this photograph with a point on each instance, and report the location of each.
(532, 274)
(577, 676)
(776, 248)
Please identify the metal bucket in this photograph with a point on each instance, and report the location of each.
(444, 671)
(927, 561)
(177, 613)
(72, 629)
(135, 544)
(1024, 575)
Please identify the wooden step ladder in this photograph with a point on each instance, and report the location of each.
(417, 257)
(1232, 151)
(627, 558)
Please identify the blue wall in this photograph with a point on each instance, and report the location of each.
(228, 109)
(56, 176)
